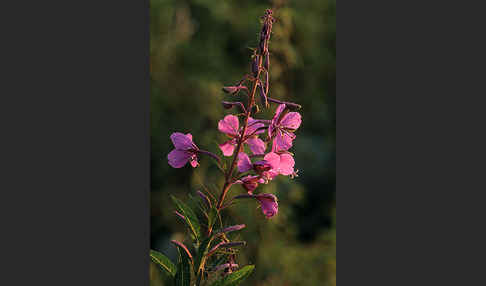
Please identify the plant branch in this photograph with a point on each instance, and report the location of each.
(241, 138)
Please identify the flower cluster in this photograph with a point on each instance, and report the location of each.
(278, 132)
(267, 155)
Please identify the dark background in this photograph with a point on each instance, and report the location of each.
(75, 143)
(196, 47)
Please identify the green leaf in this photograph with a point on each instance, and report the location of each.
(183, 275)
(163, 262)
(200, 259)
(201, 252)
(191, 218)
(236, 277)
(212, 217)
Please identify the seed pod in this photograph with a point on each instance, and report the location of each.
(263, 96)
(266, 64)
(267, 83)
(254, 66)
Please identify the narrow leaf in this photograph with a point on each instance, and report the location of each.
(236, 277)
(201, 252)
(212, 217)
(163, 262)
(191, 218)
(183, 275)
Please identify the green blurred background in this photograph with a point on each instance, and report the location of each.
(198, 46)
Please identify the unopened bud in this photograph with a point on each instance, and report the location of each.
(232, 228)
(261, 166)
(293, 106)
(233, 89)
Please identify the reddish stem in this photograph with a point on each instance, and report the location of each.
(241, 139)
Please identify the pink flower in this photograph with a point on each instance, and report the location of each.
(281, 128)
(283, 163)
(230, 126)
(272, 165)
(185, 151)
(268, 203)
(244, 163)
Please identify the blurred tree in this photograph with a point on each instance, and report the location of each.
(198, 46)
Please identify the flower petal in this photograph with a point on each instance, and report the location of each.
(227, 148)
(244, 163)
(291, 120)
(282, 141)
(229, 125)
(182, 141)
(253, 126)
(273, 159)
(268, 203)
(178, 158)
(286, 164)
(250, 183)
(193, 161)
(278, 112)
(257, 146)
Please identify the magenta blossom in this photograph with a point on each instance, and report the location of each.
(282, 127)
(185, 151)
(230, 126)
(268, 203)
(272, 165)
(244, 164)
(283, 163)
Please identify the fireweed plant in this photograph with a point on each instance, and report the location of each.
(213, 261)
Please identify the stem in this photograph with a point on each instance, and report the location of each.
(241, 139)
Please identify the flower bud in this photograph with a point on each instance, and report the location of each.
(232, 228)
(233, 89)
(229, 104)
(262, 166)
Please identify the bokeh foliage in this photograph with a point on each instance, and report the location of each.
(198, 46)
